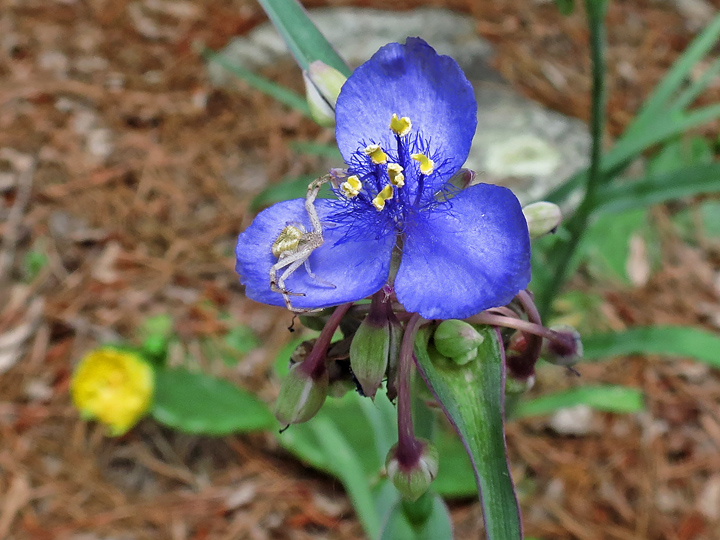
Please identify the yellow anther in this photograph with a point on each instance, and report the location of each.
(288, 240)
(427, 165)
(397, 178)
(351, 187)
(376, 154)
(386, 193)
(401, 126)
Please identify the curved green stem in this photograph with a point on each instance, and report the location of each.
(578, 223)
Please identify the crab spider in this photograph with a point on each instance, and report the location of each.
(294, 245)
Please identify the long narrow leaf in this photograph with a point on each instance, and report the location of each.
(304, 40)
(677, 341)
(660, 130)
(472, 397)
(619, 399)
(346, 467)
(623, 153)
(266, 86)
(679, 71)
(659, 188)
(696, 87)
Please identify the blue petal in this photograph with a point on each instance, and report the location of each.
(470, 254)
(408, 80)
(357, 268)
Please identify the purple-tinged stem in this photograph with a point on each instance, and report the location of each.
(314, 364)
(515, 323)
(502, 310)
(409, 449)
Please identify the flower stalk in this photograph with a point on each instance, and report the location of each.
(409, 447)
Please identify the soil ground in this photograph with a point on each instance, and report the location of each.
(143, 177)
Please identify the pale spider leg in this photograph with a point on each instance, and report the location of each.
(281, 285)
(313, 276)
(310, 241)
(312, 193)
(287, 258)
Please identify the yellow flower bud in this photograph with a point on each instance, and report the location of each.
(113, 386)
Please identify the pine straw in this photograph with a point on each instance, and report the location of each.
(149, 228)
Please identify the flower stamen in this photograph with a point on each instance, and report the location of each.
(400, 126)
(395, 173)
(351, 187)
(377, 155)
(427, 165)
(386, 193)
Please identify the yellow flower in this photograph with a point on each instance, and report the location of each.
(113, 386)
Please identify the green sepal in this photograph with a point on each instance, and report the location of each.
(413, 481)
(370, 351)
(301, 396)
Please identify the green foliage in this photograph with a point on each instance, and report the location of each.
(436, 523)
(566, 7)
(699, 222)
(681, 153)
(676, 341)
(606, 245)
(660, 187)
(305, 41)
(258, 82)
(472, 396)
(193, 402)
(343, 440)
(289, 188)
(316, 149)
(239, 341)
(610, 398)
(155, 335)
(34, 261)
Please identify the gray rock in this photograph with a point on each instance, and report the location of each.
(523, 145)
(357, 33)
(518, 142)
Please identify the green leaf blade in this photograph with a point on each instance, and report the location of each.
(204, 405)
(661, 187)
(266, 86)
(607, 398)
(678, 341)
(305, 41)
(472, 396)
(438, 526)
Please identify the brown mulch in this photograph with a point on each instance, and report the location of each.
(142, 177)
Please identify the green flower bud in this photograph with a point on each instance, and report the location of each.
(369, 354)
(370, 348)
(327, 80)
(459, 181)
(542, 218)
(462, 179)
(457, 340)
(414, 480)
(567, 350)
(301, 396)
(320, 110)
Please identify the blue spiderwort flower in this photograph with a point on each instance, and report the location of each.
(404, 124)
